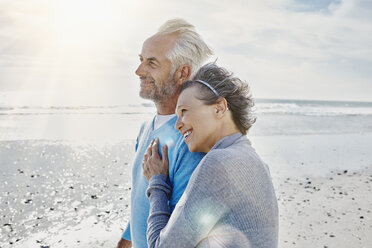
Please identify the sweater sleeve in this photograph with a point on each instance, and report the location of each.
(199, 209)
(126, 233)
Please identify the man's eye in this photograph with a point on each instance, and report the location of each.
(183, 111)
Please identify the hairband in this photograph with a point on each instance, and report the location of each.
(208, 85)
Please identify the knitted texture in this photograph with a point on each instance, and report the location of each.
(228, 202)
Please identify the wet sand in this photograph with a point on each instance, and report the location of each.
(61, 194)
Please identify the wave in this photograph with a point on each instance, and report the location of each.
(311, 111)
(313, 108)
(45, 110)
(263, 107)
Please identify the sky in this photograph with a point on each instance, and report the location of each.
(86, 51)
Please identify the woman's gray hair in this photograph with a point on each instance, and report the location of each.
(189, 48)
(235, 91)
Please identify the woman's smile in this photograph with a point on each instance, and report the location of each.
(187, 134)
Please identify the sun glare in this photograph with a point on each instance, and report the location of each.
(79, 35)
(72, 49)
(73, 53)
(83, 22)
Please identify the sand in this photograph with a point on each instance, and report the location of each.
(60, 194)
(323, 185)
(64, 194)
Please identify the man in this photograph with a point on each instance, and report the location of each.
(168, 58)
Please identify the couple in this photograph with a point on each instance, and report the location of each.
(208, 188)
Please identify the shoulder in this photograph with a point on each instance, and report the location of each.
(176, 142)
(183, 157)
(239, 153)
(178, 152)
(212, 163)
(146, 127)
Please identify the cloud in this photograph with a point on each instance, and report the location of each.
(286, 48)
(323, 6)
(283, 48)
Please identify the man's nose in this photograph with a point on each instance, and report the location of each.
(140, 70)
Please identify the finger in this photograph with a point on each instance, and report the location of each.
(149, 149)
(155, 147)
(164, 154)
(144, 166)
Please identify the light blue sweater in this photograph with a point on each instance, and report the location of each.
(181, 165)
(229, 202)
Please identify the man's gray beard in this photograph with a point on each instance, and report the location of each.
(161, 94)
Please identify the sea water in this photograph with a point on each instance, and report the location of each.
(111, 123)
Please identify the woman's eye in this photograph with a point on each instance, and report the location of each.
(183, 111)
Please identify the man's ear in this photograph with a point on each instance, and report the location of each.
(221, 107)
(182, 74)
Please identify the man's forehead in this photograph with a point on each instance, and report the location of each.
(158, 44)
(162, 38)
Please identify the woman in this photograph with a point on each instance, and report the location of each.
(229, 200)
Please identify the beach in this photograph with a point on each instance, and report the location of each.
(62, 195)
(323, 184)
(64, 192)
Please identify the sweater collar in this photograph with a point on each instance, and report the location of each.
(227, 141)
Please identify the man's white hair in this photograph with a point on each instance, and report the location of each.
(189, 47)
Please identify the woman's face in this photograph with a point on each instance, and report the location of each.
(196, 121)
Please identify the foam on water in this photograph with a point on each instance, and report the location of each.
(33, 118)
(313, 108)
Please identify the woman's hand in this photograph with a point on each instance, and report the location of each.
(152, 164)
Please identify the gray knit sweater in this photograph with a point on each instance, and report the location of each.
(228, 202)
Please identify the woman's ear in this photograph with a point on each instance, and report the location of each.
(221, 107)
(182, 74)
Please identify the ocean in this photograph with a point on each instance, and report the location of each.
(113, 123)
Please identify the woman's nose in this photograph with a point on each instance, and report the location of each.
(179, 124)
